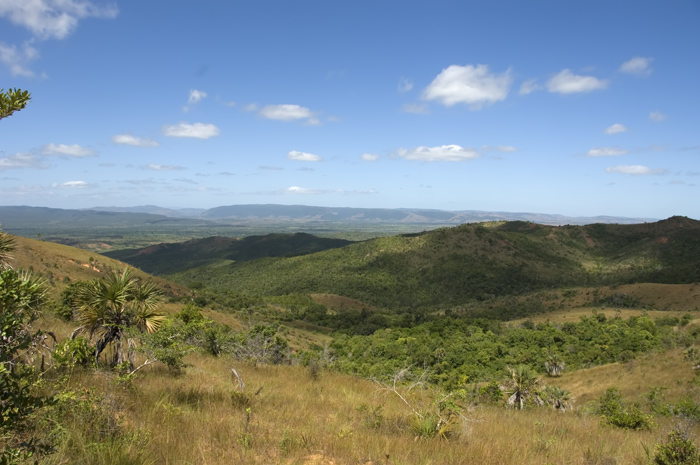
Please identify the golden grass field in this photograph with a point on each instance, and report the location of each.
(287, 416)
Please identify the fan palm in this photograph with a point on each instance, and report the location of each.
(107, 307)
(523, 386)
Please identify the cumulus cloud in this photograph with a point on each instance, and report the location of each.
(615, 129)
(472, 85)
(75, 150)
(415, 108)
(657, 116)
(21, 160)
(567, 82)
(196, 130)
(638, 65)
(405, 85)
(635, 170)
(529, 87)
(72, 185)
(302, 156)
(158, 167)
(606, 152)
(126, 139)
(287, 113)
(440, 153)
(306, 190)
(369, 157)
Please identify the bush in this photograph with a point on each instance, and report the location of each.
(678, 449)
(615, 413)
(72, 352)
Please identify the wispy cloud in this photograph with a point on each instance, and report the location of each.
(196, 130)
(615, 129)
(405, 85)
(369, 157)
(640, 66)
(72, 185)
(313, 191)
(289, 113)
(566, 82)
(415, 108)
(126, 139)
(75, 150)
(657, 116)
(499, 148)
(636, 170)
(22, 160)
(45, 19)
(303, 156)
(606, 152)
(529, 87)
(158, 167)
(439, 153)
(194, 98)
(474, 86)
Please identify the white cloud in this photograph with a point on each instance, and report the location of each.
(471, 85)
(21, 160)
(251, 107)
(606, 152)
(529, 87)
(405, 85)
(71, 185)
(157, 167)
(196, 130)
(53, 18)
(415, 108)
(635, 170)
(506, 148)
(567, 82)
(637, 65)
(302, 156)
(286, 112)
(657, 116)
(369, 157)
(312, 122)
(615, 129)
(17, 60)
(440, 153)
(74, 150)
(126, 139)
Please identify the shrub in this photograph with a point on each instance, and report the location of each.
(615, 413)
(72, 352)
(678, 449)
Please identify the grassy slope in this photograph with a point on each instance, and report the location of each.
(295, 419)
(474, 261)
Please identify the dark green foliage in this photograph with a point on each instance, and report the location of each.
(173, 258)
(678, 449)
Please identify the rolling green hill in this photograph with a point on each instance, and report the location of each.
(451, 266)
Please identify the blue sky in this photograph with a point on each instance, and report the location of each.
(577, 108)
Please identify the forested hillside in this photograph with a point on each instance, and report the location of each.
(472, 262)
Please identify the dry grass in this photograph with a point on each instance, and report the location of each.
(202, 417)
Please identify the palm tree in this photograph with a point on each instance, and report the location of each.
(555, 365)
(108, 307)
(7, 245)
(522, 384)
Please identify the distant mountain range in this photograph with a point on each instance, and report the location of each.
(304, 213)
